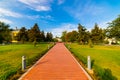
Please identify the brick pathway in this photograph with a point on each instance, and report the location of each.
(57, 64)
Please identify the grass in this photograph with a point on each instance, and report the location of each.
(104, 56)
(10, 57)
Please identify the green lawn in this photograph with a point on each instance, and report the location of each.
(10, 57)
(104, 56)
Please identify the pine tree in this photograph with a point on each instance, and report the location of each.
(49, 36)
(97, 34)
(42, 36)
(81, 34)
(34, 33)
(22, 35)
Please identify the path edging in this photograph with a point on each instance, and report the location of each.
(89, 77)
(33, 65)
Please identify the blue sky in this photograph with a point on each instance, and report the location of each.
(58, 15)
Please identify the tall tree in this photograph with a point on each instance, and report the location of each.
(81, 34)
(97, 34)
(63, 36)
(22, 35)
(49, 36)
(34, 33)
(113, 30)
(71, 36)
(4, 32)
(42, 36)
(68, 37)
(74, 36)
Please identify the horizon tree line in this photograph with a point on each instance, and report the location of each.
(96, 35)
(82, 36)
(24, 35)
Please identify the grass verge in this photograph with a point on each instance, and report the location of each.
(105, 59)
(11, 55)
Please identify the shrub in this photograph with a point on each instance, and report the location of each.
(81, 58)
(106, 42)
(92, 63)
(90, 43)
(99, 73)
(103, 74)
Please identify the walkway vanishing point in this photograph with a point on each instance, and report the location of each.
(57, 64)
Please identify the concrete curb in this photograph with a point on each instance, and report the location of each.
(89, 77)
(34, 65)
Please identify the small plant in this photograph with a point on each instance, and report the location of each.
(35, 43)
(90, 43)
(81, 58)
(92, 63)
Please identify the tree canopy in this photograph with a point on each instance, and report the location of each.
(34, 33)
(4, 32)
(49, 36)
(22, 35)
(81, 34)
(113, 30)
(97, 34)
(63, 36)
(71, 36)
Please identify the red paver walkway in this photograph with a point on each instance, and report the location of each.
(57, 64)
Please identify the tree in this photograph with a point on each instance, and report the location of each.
(87, 37)
(42, 36)
(90, 43)
(81, 34)
(49, 36)
(34, 33)
(97, 34)
(22, 35)
(71, 36)
(63, 36)
(74, 36)
(68, 37)
(113, 30)
(4, 32)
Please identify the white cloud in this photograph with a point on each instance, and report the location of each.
(46, 17)
(104, 24)
(93, 9)
(42, 8)
(6, 21)
(101, 24)
(63, 27)
(38, 5)
(33, 17)
(80, 10)
(60, 2)
(6, 12)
